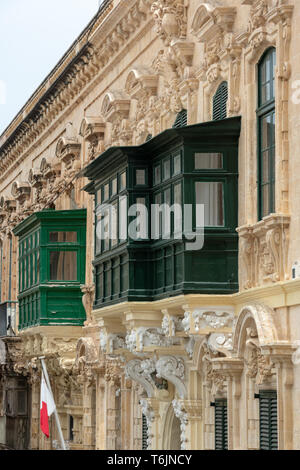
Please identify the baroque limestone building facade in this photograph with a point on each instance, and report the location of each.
(200, 369)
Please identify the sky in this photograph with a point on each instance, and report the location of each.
(34, 35)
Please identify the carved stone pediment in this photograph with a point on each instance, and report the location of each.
(21, 191)
(35, 178)
(115, 104)
(170, 17)
(91, 127)
(172, 368)
(67, 150)
(210, 22)
(141, 81)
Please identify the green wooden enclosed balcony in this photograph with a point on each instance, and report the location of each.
(52, 248)
(190, 166)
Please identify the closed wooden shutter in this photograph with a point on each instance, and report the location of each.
(268, 427)
(220, 102)
(221, 427)
(144, 433)
(181, 119)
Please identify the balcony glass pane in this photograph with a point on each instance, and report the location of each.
(211, 195)
(62, 237)
(208, 161)
(63, 265)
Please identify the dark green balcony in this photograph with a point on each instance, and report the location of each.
(189, 165)
(51, 268)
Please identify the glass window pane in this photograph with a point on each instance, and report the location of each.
(63, 265)
(207, 161)
(123, 181)
(265, 167)
(265, 200)
(61, 237)
(157, 175)
(178, 213)
(99, 196)
(211, 195)
(106, 192)
(114, 224)
(114, 186)
(140, 177)
(167, 169)
(177, 165)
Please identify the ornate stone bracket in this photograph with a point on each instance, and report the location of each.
(172, 368)
(140, 371)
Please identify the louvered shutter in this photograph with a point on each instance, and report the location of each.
(144, 433)
(220, 102)
(268, 427)
(221, 427)
(181, 119)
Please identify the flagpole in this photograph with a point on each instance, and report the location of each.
(63, 444)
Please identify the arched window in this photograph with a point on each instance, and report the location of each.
(266, 133)
(181, 119)
(220, 102)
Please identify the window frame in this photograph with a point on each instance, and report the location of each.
(265, 109)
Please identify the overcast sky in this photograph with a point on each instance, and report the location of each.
(34, 35)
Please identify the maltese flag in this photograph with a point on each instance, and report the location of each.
(47, 406)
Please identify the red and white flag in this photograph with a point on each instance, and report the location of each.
(47, 406)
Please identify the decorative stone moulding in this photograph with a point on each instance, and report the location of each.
(92, 129)
(141, 372)
(141, 81)
(220, 343)
(21, 191)
(263, 250)
(8, 205)
(209, 21)
(170, 17)
(139, 339)
(116, 104)
(50, 171)
(67, 151)
(111, 342)
(213, 317)
(35, 178)
(181, 414)
(172, 369)
(171, 324)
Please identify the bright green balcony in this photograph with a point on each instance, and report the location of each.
(52, 248)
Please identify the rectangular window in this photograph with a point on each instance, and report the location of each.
(114, 224)
(62, 237)
(114, 186)
(178, 214)
(140, 177)
(167, 169)
(106, 192)
(123, 181)
(268, 427)
(99, 196)
(157, 175)
(208, 161)
(63, 265)
(267, 164)
(177, 165)
(211, 195)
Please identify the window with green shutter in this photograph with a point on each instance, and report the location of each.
(268, 427)
(181, 119)
(220, 102)
(266, 133)
(144, 433)
(221, 427)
